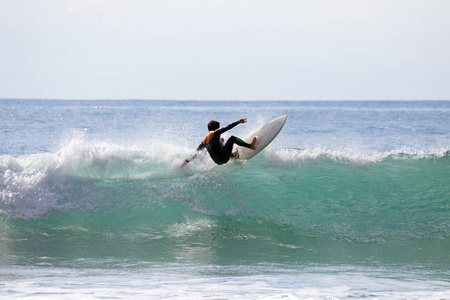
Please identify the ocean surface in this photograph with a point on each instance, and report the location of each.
(350, 201)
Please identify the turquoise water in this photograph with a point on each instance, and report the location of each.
(351, 200)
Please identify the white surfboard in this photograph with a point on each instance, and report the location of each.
(265, 135)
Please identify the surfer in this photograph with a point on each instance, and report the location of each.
(219, 152)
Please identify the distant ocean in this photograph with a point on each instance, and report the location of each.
(350, 201)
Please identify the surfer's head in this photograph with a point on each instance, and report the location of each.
(213, 125)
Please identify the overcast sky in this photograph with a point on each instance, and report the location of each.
(225, 49)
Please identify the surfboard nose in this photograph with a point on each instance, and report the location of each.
(265, 135)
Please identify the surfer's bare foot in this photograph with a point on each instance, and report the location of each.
(254, 143)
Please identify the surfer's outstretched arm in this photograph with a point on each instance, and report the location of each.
(187, 160)
(229, 126)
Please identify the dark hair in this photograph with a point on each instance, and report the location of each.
(213, 125)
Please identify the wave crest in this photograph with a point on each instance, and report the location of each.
(287, 158)
(90, 176)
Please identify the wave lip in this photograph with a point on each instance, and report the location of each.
(292, 157)
(36, 185)
(26, 189)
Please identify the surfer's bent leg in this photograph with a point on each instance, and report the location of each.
(240, 142)
(228, 148)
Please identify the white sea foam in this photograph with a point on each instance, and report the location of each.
(25, 189)
(35, 185)
(184, 282)
(291, 157)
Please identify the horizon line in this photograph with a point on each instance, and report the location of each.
(230, 100)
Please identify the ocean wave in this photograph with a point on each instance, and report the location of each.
(99, 200)
(288, 186)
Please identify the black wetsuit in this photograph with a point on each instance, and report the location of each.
(219, 152)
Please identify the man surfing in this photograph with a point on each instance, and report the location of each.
(219, 152)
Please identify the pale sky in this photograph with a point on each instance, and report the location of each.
(225, 49)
